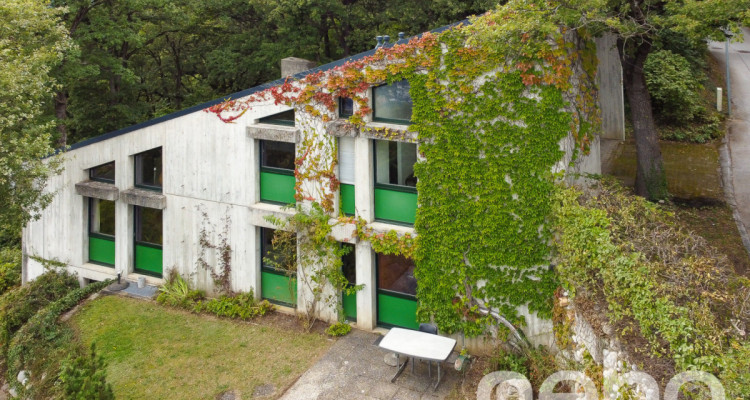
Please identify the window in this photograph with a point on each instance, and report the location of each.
(277, 155)
(148, 241)
(103, 173)
(349, 269)
(397, 289)
(284, 118)
(102, 231)
(148, 169)
(394, 164)
(346, 174)
(346, 107)
(277, 258)
(277, 182)
(392, 103)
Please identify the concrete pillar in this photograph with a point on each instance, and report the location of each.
(124, 247)
(255, 281)
(294, 65)
(367, 318)
(609, 80)
(364, 198)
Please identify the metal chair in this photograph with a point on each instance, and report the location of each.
(426, 328)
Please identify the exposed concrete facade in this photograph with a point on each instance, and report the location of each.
(212, 168)
(294, 65)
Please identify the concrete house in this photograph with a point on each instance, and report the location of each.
(135, 201)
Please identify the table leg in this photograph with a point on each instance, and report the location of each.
(401, 367)
(438, 377)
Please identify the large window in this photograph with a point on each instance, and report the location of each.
(102, 232)
(285, 118)
(277, 172)
(103, 173)
(278, 266)
(346, 174)
(148, 169)
(397, 289)
(148, 241)
(395, 182)
(392, 103)
(349, 269)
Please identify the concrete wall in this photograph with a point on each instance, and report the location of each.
(609, 79)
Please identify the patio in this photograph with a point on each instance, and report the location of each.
(354, 368)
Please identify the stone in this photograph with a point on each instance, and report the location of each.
(264, 390)
(23, 377)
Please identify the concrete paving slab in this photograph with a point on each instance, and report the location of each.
(354, 368)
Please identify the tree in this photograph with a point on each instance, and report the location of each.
(638, 24)
(32, 41)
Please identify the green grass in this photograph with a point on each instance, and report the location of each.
(158, 352)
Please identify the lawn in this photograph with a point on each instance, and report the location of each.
(161, 353)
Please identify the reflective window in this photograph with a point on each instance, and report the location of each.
(148, 225)
(394, 163)
(285, 118)
(103, 173)
(277, 155)
(396, 274)
(148, 169)
(392, 103)
(102, 217)
(278, 250)
(346, 107)
(349, 264)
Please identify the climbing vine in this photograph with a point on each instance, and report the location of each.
(492, 101)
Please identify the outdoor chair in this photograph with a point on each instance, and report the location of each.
(426, 328)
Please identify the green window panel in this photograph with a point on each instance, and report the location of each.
(397, 311)
(347, 199)
(275, 287)
(277, 188)
(148, 260)
(102, 250)
(395, 205)
(350, 306)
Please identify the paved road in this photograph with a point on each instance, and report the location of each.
(739, 124)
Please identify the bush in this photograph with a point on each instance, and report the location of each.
(21, 303)
(10, 269)
(241, 305)
(41, 345)
(338, 329)
(672, 86)
(84, 378)
(176, 292)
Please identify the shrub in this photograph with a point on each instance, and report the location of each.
(241, 305)
(672, 86)
(176, 292)
(84, 378)
(10, 269)
(338, 329)
(43, 343)
(21, 303)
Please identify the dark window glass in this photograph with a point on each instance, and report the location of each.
(394, 163)
(392, 103)
(346, 107)
(279, 251)
(285, 118)
(103, 173)
(148, 225)
(396, 274)
(148, 169)
(349, 264)
(277, 155)
(102, 217)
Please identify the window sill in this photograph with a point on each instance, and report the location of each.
(98, 190)
(389, 131)
(276, 133)
(144, 198)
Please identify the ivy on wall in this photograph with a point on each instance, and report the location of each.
(492, 101)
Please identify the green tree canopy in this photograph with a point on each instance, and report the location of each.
(32, 41)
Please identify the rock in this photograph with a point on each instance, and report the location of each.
(23, 377)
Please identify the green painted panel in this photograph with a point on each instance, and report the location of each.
(397, 311)
(394, 205)
(102, 250)
(350, 306)
(277, 187)
(148, 259)
(347, 199)
(276, 287)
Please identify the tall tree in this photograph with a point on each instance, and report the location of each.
(638, 24)
(32, 41)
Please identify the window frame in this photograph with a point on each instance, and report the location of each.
(99, 179)
(341, 107)
(274, 170)
(375, 118)
(99, 235)
(270, 120)
(135, 170)
(263, 266)
(380, 290)
(389, 186)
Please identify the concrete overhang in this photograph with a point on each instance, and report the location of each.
(144, 198)
(273, 132)
(98, 190)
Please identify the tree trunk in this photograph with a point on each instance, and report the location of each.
(650, 180)
(61, 113)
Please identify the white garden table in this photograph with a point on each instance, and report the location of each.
(416, 344)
